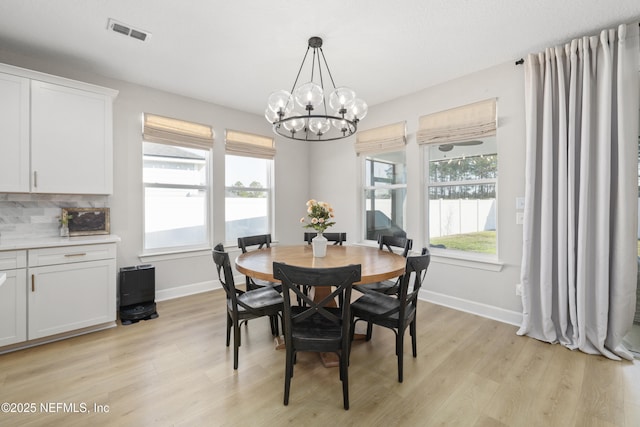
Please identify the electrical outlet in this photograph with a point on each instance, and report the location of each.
(519, 218)
(519, 289)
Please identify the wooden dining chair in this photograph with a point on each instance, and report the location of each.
(336, 238)
(258, 241)
(395, 313)
(317, 326)
(392, 244)
(241, 305)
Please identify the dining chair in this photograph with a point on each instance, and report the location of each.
(316, 325)
(388, 243)
(258, 241)
(336, 238)
(395, 313)
(241, 305)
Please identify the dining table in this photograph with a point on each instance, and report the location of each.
(376, 265)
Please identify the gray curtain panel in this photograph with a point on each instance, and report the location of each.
(579, 262)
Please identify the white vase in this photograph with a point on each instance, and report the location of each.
(319, 244)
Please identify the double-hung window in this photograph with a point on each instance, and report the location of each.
(385, 180)
(248, 185)
(176, 170)
(461, 164)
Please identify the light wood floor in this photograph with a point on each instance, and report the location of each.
(176, 371)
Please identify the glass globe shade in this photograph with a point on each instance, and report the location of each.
(271, 115)
(294, 125)
(280, 101)
(359, 109)
(341, 125)
(340, 98)
(309, 94)
(319, 126)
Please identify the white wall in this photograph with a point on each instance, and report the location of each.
(487, 292)
(326, 171)
(188, 272)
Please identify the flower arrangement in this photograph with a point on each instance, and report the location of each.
(320, 216)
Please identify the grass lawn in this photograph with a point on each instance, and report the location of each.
(481, 242)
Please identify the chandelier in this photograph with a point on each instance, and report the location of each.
(306, 113)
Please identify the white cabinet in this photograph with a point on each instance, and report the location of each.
(14, 133)
(56, 135)
(71, 140)
(70, 288)
(13, 298)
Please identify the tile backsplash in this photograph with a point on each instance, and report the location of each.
(36, 215)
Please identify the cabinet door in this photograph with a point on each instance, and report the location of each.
(14, 133)
(71, 140)
(71, 296)
(13, 307)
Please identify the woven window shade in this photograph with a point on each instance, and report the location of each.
(165, 130)
(385, 138)
(249, 144)
(464, 123)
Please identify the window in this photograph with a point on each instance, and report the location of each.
(462, 195)
(461, 159)
(247, 196)
(385, 193)
(176, 163)
(385, 180)
(248, 184)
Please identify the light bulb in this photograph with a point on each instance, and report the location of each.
(280, 102)
(341, 98)
(294, 125)
(319, 126)
(359, 109)
(309, 95)
(271, 115)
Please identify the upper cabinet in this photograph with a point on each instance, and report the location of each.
(56, 135)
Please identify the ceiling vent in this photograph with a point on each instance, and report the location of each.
(127, 30)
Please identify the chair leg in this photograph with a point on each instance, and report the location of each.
(412, 330)
(369, 331)
(229, 324)
(344, 376)
(236, 344)
(288, 373)
(399, 352)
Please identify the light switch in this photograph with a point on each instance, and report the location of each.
(520, 203)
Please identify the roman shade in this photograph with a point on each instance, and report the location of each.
(249, 144)
(384, 138)
(472, 121)
(165, 130)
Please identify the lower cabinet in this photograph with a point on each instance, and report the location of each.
(56, 290)
(71, 296)
(13, 307)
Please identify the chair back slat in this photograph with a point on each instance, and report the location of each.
(415, 271)
(337, 238)
(390, 242)
(259, 240)
(225, 275)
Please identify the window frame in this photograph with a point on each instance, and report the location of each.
(372, 187)
(472, 259)
(270, 190)
(206, 187)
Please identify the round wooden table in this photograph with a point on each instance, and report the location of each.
(376, 264)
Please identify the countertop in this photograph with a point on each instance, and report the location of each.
(12, 244)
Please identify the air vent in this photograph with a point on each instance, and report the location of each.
(127, 30)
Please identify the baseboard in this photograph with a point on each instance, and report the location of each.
(183, 291)
(468, 306)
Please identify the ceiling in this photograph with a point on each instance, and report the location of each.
(235, 53)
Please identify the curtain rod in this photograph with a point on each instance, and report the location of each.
(521, 60)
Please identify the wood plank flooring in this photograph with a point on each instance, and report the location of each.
(176, 371)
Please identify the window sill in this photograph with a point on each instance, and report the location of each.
(170, 255)
(462, 259)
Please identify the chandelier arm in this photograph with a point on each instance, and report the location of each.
(300, 69)
(325, 96)
(327, 66)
